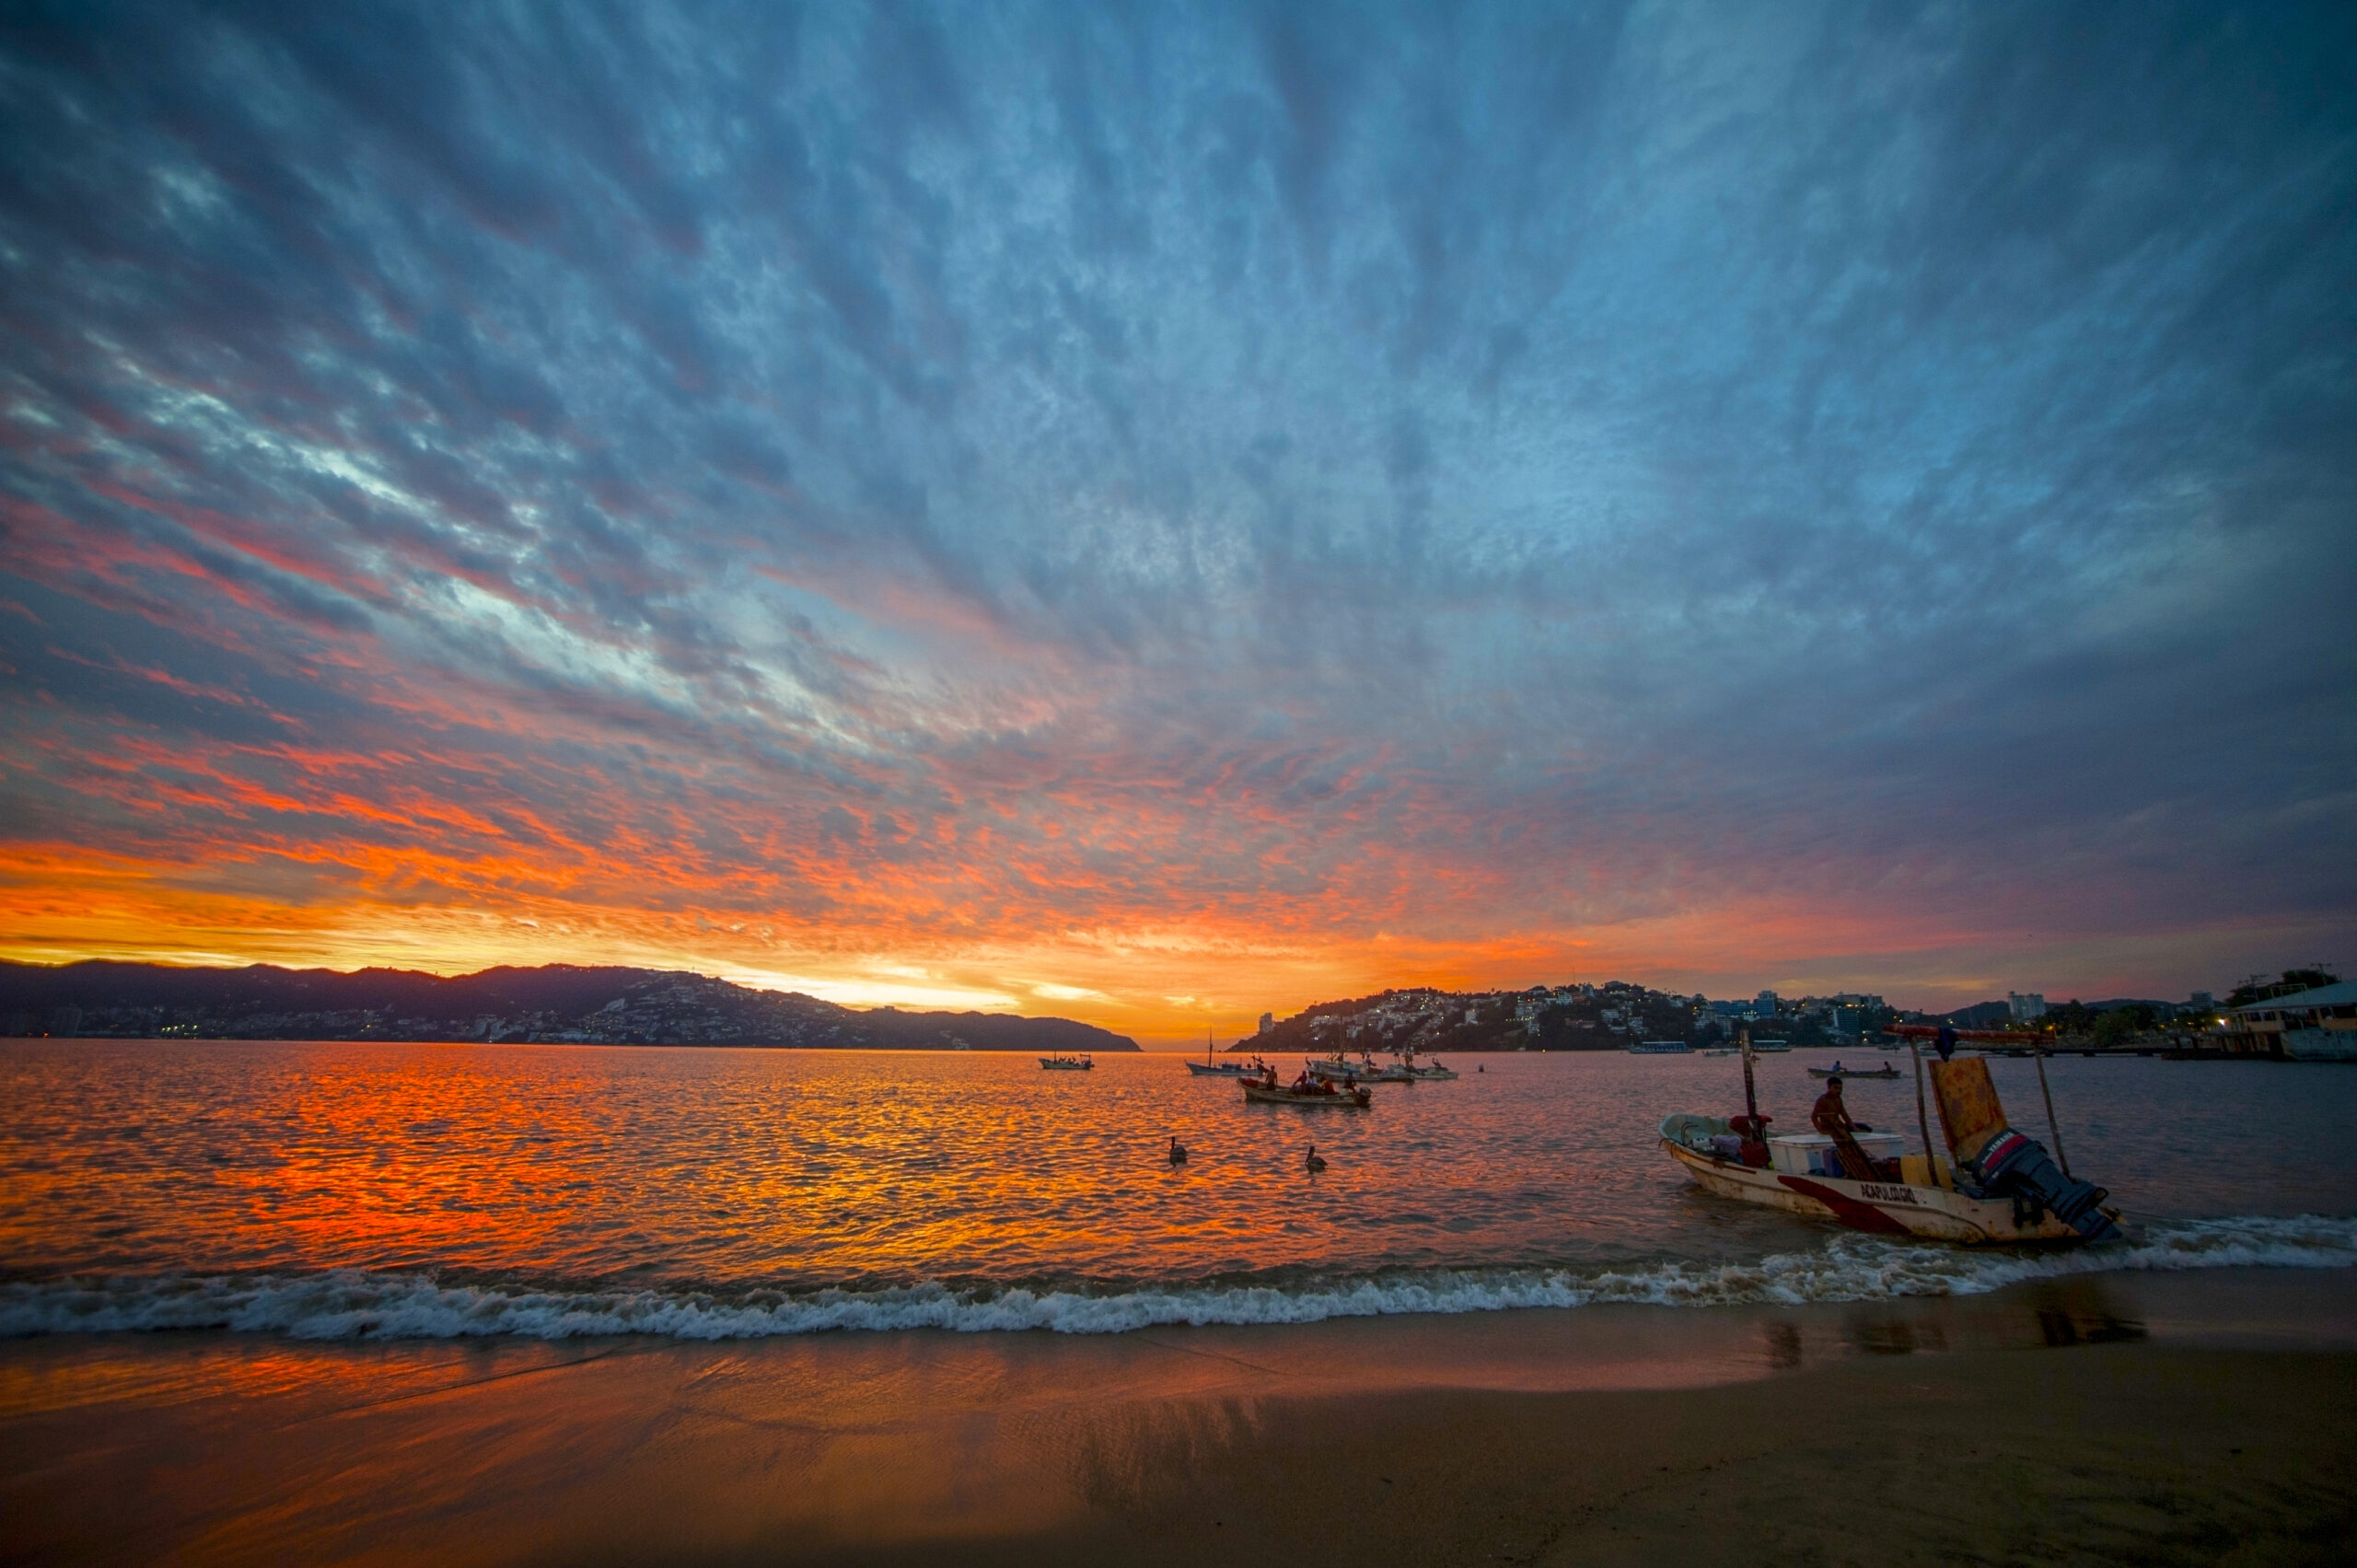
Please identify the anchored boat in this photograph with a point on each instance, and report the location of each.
(1339, 1069)
(1837, 1071)
(1995, 1186)
(1060, 1063)
(1208, 1068)
(1306, 1090)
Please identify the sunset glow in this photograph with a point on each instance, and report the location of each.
(1158, 521)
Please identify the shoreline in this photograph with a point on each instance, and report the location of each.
(1545, 1435)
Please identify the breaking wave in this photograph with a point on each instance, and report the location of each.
(357, 1304)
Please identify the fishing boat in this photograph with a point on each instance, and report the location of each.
(1306, 1090)
(1995, 1186)
(1659, 1048)
(1060, 1063)
(1412, 1073)
(1339, 1069)
(1837, 1071)
(1210, 1068)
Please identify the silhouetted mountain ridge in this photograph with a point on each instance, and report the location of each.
(608, 1005)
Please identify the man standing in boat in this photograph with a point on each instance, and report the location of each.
(1830, 1116)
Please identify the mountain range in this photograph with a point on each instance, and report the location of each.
(550, 1003)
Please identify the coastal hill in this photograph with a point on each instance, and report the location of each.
(1563, 1018)
(552, 1002)
(1616, 1014)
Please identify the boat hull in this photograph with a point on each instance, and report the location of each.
(1221, 1070)
(1331, 1072)
(1885, 1208)
(1353, 1099)
(1882, 1071)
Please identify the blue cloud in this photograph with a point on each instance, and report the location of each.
(1796, 438)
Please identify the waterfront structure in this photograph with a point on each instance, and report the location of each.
(2316, 1025)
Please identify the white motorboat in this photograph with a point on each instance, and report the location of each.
(1339, 1069)
(1410, 1072)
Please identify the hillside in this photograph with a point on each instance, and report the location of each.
(1568, 1018)
(552, 1002)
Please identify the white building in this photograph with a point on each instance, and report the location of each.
(2026, 1005)
(2317, 1025)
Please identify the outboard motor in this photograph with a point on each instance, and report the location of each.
(2015, 1166)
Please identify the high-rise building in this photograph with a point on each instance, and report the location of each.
(1765, 1004)
(1268, 1022)
(2026, 1005)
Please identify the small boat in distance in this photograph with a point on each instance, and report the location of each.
(1209, 1068)
(1060, 1063)
(1837, 1071)
(1660, 1048)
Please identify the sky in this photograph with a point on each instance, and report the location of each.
(1160, 512)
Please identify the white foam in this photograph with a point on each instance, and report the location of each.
(352, 1304)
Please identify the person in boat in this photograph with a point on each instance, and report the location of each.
(1830, 1116)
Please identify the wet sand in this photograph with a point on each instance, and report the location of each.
(2195, 1418)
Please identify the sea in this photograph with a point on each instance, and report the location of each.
(335, 1191)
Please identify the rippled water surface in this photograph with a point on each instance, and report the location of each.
(341, 1188)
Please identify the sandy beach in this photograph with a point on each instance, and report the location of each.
(2195, 1418)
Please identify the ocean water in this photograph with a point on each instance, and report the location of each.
(344, 1190)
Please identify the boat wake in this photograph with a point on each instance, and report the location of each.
(357, 1304)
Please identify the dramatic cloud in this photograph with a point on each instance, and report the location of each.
(1076, 506)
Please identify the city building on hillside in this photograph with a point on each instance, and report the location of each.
(2026, 1005)
(2316, 1025)
(1765, 1004)
(1268, 1022)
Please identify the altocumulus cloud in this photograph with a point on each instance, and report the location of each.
(1230, 501)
